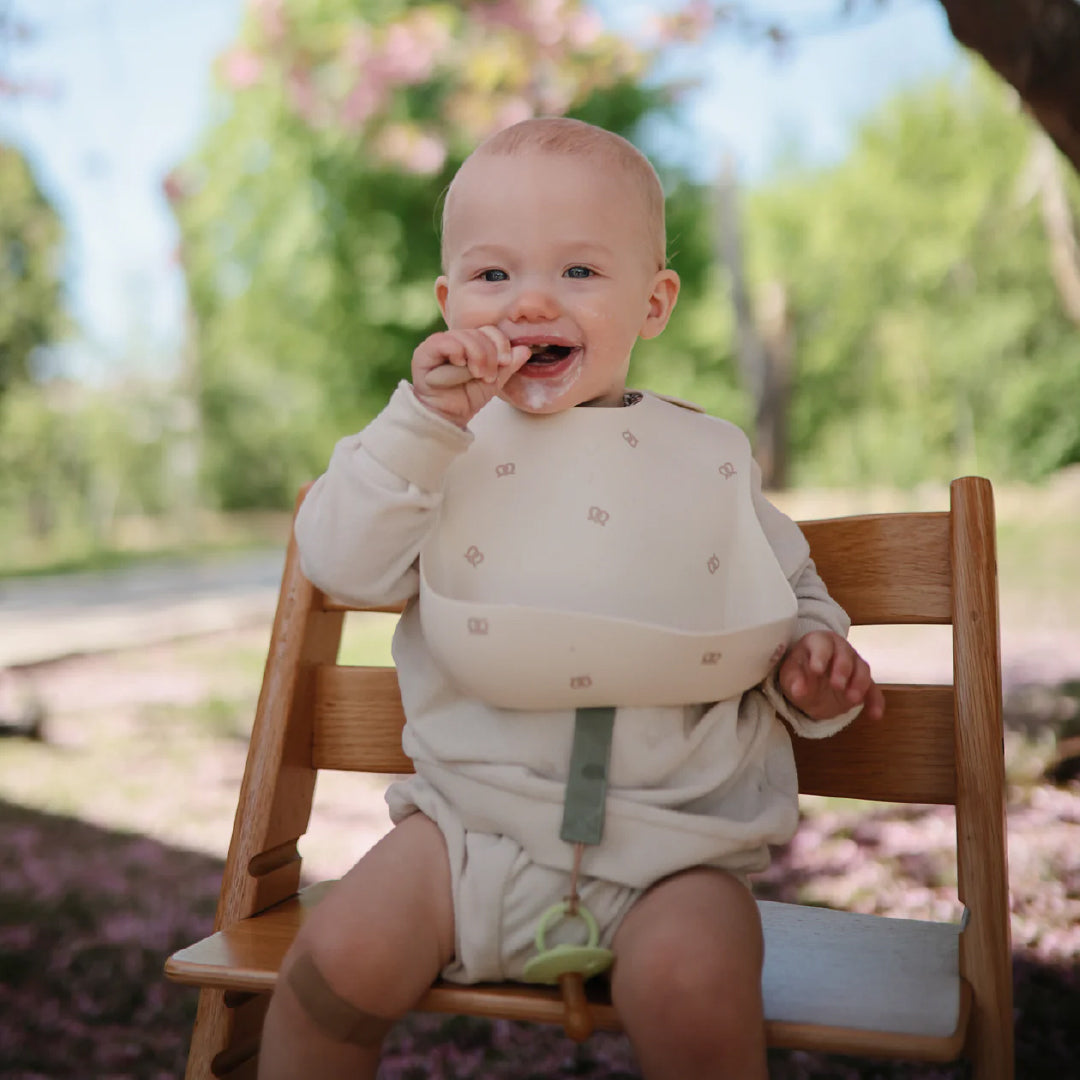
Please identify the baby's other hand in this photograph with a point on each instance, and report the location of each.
(823, 676)
(455, 373)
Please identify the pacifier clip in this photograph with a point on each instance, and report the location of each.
(583, 824)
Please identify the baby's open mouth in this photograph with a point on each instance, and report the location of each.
(544, 353)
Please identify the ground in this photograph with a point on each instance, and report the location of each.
(115, 825)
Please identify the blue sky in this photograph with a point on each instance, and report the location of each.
(130, 92)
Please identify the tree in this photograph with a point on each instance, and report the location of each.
(1033, 45)
(31, 249)
(309, 215)
(933, 337)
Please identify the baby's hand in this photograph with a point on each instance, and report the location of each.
(823, 676)
(455, 373)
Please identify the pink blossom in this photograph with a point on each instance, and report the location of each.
(413, 150)
(584, 29)
(361, 103)
(509, 13)
(427, 156)
(410, 49)
(405, 56)
(690, 23)
(241, 68)
(271, 16)
(511, 112)
(357, 48)
(303, 96)
(549, 21)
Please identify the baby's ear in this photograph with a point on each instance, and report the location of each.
(442, 291)
(665, 292)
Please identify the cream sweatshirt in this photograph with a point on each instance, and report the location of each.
(703, 783)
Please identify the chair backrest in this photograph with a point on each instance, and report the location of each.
(937, 744)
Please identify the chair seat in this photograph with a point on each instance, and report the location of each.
(833, 981)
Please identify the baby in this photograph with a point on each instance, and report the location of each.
(564, 544)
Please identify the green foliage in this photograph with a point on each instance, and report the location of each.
(931, 339)
(31, 242)
(73, 461)
(310, 213)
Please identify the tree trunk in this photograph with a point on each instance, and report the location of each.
(764, 340)
(1059, 225)
(778, 337)
(1034, 45)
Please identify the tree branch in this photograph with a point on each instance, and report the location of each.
(1034, 46)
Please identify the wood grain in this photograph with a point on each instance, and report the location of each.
(986, 945)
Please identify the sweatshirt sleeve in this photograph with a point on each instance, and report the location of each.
(817, 610)
(363, 522)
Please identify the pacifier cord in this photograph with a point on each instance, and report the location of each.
(573, 899)
(564, 964)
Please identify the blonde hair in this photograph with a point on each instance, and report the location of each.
(562, 135)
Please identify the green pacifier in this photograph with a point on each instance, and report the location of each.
(585, 960)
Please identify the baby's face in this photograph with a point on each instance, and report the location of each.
(554, 250)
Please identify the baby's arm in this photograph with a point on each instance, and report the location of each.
(362, 524)
(822, 683)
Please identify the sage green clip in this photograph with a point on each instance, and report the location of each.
(586, 783)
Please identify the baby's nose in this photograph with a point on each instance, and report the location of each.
(533, 303)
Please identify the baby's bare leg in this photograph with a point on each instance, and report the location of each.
(687, 979)
(362, 959)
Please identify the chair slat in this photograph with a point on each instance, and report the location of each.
(906, 579)
(358, 720)
(907, 757)
(886, 568)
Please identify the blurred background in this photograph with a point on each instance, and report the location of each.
(218, 238)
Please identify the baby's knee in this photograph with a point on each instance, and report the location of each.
(676, 976)
(335, 1016)
(682, 1001)
(356, 968)
(692, 952)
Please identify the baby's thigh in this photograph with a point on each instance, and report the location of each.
(383, 932)
(690, 934)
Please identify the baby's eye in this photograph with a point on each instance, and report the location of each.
(579, 272)
(493, 275)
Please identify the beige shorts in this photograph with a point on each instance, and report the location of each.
(500, 895)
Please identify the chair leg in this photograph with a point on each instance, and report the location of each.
(225, 1042)
(210, 1036)
(990, 1050)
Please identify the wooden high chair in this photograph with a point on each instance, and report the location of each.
(834, 981)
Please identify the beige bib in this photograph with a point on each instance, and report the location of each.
(602, 557)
